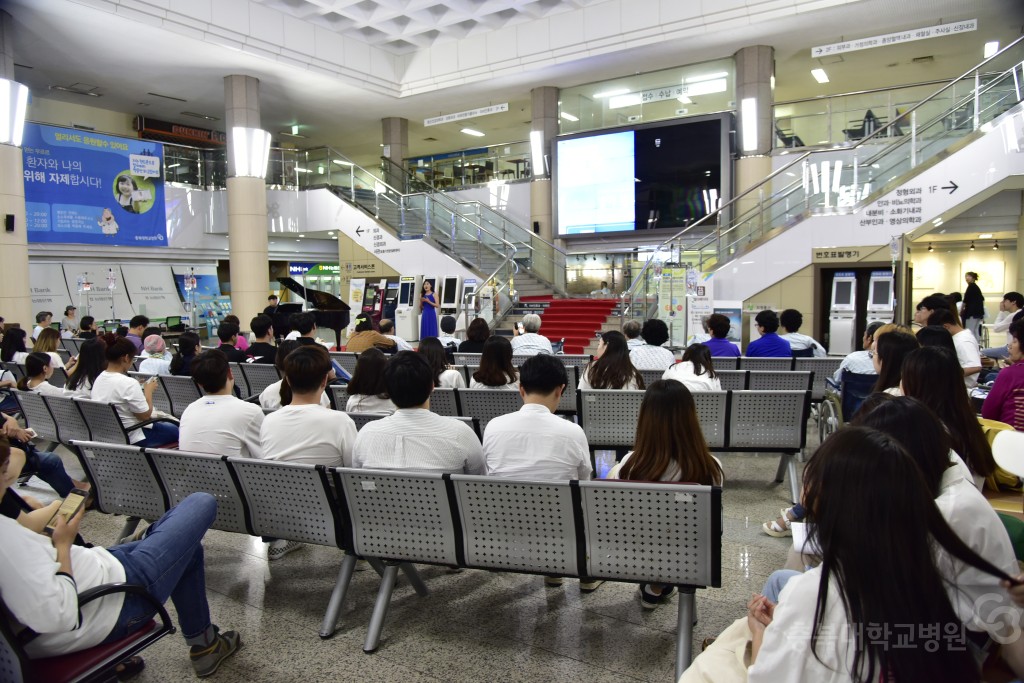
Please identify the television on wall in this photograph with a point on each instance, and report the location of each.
(660, 176)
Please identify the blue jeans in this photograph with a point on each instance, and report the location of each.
(168, 561)
(798, 512)
(996, 352)
(50, 468)
(776, 582)
(158, 434)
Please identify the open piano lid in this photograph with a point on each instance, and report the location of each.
(321, 300)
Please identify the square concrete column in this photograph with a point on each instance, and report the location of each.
(545, 122)
(755, 67)
(394, 135)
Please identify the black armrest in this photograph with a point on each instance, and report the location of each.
(106, 589)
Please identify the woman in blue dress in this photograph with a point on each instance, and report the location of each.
(429, 306)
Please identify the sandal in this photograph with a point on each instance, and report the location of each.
(129, 668)
(774, 528)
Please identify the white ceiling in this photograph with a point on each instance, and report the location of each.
(126, 54)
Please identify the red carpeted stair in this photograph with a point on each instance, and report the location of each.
(578, 320)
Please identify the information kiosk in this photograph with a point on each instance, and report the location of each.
(451, 291)
(407, 312)
(842, 314)
(391, 298)
(373, 301)
(881, 302)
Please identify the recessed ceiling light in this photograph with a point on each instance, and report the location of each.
(569, 117)
(75, 91)
(167, 97)
(708, 77)
(474, 133)
(819, 75)
(301, 235)
(985, 236)
(612, 93)
(291, 135)
(991, 48)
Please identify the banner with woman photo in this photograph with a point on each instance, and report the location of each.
(86, 188)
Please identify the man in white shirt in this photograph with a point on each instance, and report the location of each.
(1008, 307)
(387, 328)
(219, 422)
(305, 431)
(43, 320)
(860, 362)
(791, 321)
(967, 351)
(413, 438)
(527, 342)
(447, 336)
(651, 355)
(534, 443)
(632, 331)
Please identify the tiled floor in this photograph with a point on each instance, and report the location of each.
(475, 625)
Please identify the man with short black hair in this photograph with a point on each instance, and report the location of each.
(1008, 307)
(447, 336)
(86, 329)
(272, 303)
(136, 329)
(413, 438)
(860, 362)
(719, 326)
(651, 355)
(791, 321)
(303, 324)
(930, 304)
(966, 345)
(770, 344)
(228, 335)
(219, 422)
(262, 350)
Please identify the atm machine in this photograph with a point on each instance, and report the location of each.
(842, 315)
(451, 290)
(373, 301)
(390, 298)
(881, 299)
(407, 311)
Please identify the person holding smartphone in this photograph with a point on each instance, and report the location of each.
(41, 576)
(526, 340)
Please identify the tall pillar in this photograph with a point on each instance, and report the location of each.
(755, 68)
(394, 135)
(247, 205)
(545, 123)
(15, 294)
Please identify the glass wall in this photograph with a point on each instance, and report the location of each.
(508, 161)
(672, 93)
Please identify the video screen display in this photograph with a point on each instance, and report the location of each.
(663, 176)
(843, 295)
(880, 295)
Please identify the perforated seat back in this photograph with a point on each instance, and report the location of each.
(576, 360)
(823, 369)
(346, 359)
(340, 395)
(182, 392)
(37, 415)
(104, 423)
(259, 376)
(183, 473)
(17, 370)
(241, 383)
(487, 404)
(59, 378)
(71, 425)
(786, 380)
(769, 419)
(664, 533)
(123, 480)
(651, 376)
(712, 413)
(725, 363)
(568, 401)
(400, 516)
(609, 416)
(731, 379)
(442, 402)
(766, 364)
(161, 401)
(363, 419)
(517, 525)
(288, 500)
(467, 359)
(70, 346)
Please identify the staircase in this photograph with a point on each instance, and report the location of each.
(578, 321)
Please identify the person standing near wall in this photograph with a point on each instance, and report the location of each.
(972, 310)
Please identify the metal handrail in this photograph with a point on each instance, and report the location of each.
(799, 159)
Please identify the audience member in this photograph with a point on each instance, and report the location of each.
(860, 362)
(930, 304)
(476, 334)
(38, 370)
(966, 345)
(932, 376)
(228, 335)
(43, 321)
(13, 349)
(770, 344)
(92, 360)
(669, 447)
(413, 438)
(262, 350)
(366, 390)
(387, 328)
(632, 331)
(1008, 307)
(447, 336)
(156, 360)
(48, 342)
(45, 464)
(496, 370)
(279, 393)
(365, 337)
(188, 347)
(891, 349)
(242, 344)
(1005, 402)
(695, 371)
(219, 422)
(650, 354)
(611, 367)
(304, 328)
(444, 374)
(41, 577)
(527, 342)
(134, 402)
(87, 328)
(69, 325)
(800, 344)
(136, 329)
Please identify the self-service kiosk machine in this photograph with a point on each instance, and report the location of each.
(390, 298)
(881, 299)
(373, 301)
(468, 311)
(451, 291)
(407, 312)
(843, 314)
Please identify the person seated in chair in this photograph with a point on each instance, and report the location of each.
(387, 328)
(228, 335)
(219, 422)
(366, 337)
(799, 344)
(447, 336)
(770, 344)
(262, 350)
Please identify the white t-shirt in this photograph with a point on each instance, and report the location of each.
(969, 355)
(152, 365)
(46, 601)
(799, 342)
(83, 390)
(270, 398)
(448, 339)
(452, 379)
(47, 389)
(125, 393)
(535, 444)
(367, 403)
(683, 372)
(670, 475)
(511, 386)
(309, 434)
(585, 382)
(55, 360)
(530, 344)
(222, 425)
(418, 440)
(400, 344)
(648, 357)
(36, 330)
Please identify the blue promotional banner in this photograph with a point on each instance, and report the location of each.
(87, 188)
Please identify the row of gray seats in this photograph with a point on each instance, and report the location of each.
(671, 534)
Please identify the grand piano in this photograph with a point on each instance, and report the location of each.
(330, 312)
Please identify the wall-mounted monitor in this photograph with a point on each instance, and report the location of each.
(660, 176)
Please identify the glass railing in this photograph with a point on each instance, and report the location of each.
(507, 161)
(825, 182)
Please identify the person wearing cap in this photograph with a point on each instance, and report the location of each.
(69, 325)
(156, 360)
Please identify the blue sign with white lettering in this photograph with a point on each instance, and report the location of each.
(86, 188)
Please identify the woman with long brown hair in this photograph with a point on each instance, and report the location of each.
(496, 370)
(611, 367)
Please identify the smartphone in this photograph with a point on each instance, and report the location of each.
(521, 328)
(68, 509)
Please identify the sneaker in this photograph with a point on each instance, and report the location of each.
(279, 548)
(552, 580)
(590, 586)
(205, 660)
(650, 600)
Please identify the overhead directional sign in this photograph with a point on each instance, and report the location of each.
(468, 114)
(952, 187)
(894, 38)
